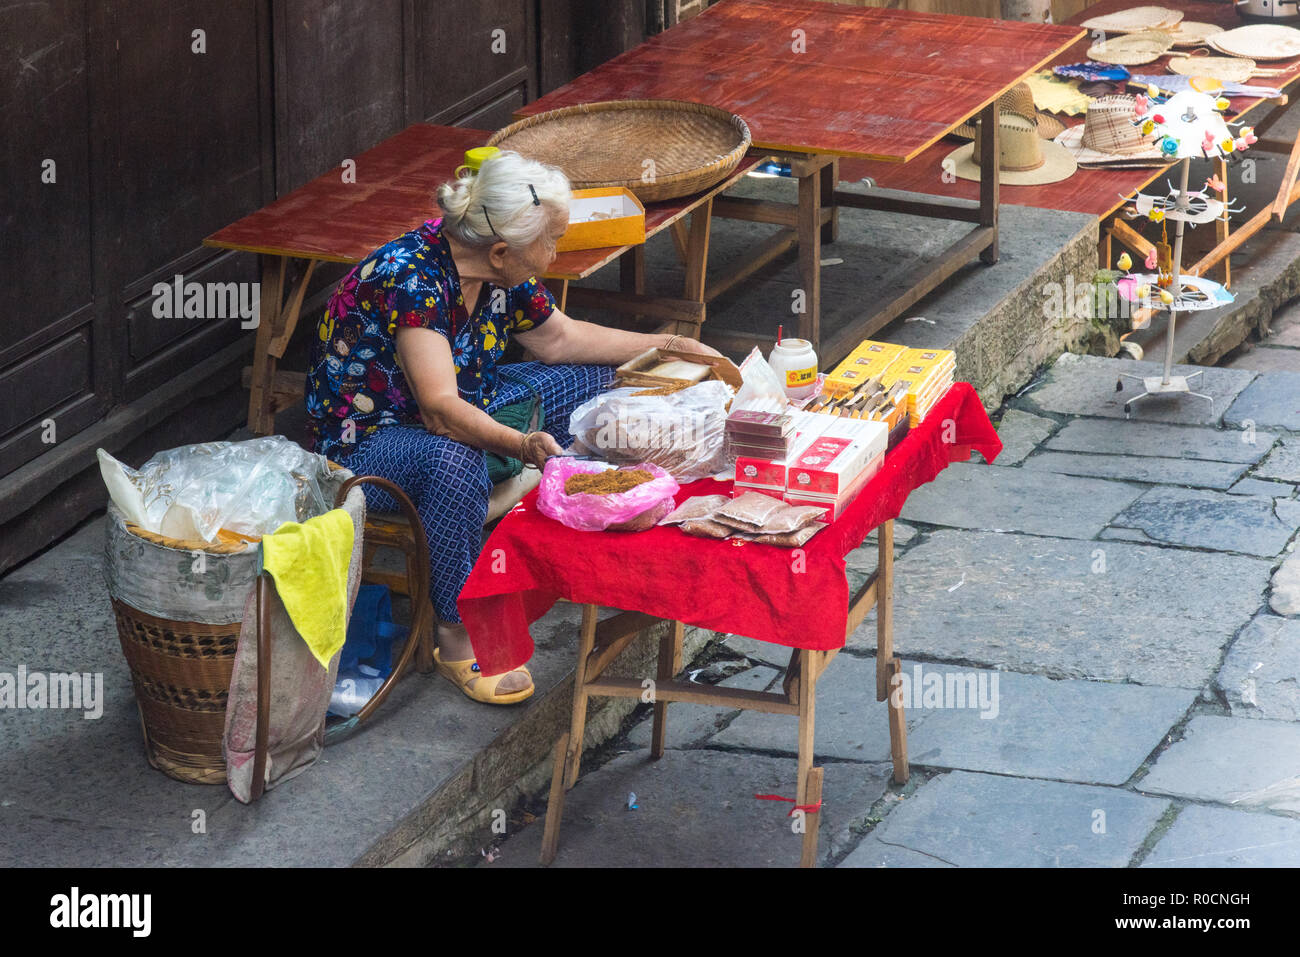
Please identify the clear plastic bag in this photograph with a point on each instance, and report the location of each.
(251, 488)
(595, 513)
(683, 432)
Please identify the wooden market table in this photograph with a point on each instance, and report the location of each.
(333, 220)
(817, 82)
(799, 599)
(1102, 192)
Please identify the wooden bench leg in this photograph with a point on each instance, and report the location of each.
(578, 720)
(555, 804)
(670, 662)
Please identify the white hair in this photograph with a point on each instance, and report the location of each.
(496, 204)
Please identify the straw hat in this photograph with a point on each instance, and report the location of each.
(1025, 158)
(1020, 101)
(1107, 136)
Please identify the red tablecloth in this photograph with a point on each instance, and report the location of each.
(774, 594)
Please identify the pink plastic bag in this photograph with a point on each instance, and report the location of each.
(595, 513)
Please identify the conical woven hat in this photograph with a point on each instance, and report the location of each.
(1020, 101)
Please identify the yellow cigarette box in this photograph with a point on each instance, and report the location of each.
(867, 360)
(610, 216)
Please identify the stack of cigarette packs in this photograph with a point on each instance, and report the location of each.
(760, 434)
(929, 374)
(911, 380)
(829, 462)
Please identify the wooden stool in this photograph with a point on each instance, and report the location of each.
(393, 530)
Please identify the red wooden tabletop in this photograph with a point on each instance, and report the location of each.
(880, 84)
(332, 220)
(1098, 192)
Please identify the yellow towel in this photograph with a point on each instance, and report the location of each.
(309, 563)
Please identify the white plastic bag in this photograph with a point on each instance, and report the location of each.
(762, 388)
(683, 432)
(250, 487)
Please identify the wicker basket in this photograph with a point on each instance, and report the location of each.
(181, 669)
(692, 146)
(181, 673)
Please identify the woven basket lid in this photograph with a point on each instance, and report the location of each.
(1134, 20)
(685, 147)
(1226, 69)
(1259, 41)
(1020, 101)
(1132, 49)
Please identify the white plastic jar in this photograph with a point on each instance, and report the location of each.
(796, 362)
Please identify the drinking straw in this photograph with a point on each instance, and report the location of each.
(779, 330)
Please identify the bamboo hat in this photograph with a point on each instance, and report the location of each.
(1020, 101)
(1025, 159)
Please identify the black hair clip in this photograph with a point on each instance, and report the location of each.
(536, 201)
(488, 218)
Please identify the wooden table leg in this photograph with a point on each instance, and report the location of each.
(578, 720)
(678, 231)
(260, 419)
(811, 798)
(809, 237)
(564, 293)
(697, 259)
(670, 662)
(830, 178)
(884, 607)
(989, 179)
(898, 730)
(631, 268)
(555, 804)
(807, 723)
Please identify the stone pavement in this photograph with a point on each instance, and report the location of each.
(1125, 595)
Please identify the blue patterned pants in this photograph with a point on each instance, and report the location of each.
(448, 482)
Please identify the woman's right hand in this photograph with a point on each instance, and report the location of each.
(537, 448)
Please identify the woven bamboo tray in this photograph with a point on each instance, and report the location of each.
(658, 149)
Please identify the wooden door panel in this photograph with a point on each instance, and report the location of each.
(42, 382)
(46, 271)
(339, 80)
(187, 138)
(468, 52)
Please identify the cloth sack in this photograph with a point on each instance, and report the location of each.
(300, 686)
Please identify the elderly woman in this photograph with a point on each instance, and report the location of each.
(407, 372)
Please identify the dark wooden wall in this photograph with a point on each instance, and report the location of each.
(155, 146)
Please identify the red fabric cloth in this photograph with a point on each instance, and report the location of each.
(742, 588)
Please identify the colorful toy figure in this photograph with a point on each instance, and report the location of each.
(1151, 260)
(1125, 262)
(1140, 104)
(1216, 184)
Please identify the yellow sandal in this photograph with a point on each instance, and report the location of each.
(461, 673)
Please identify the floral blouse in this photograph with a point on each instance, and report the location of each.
(355, 385)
